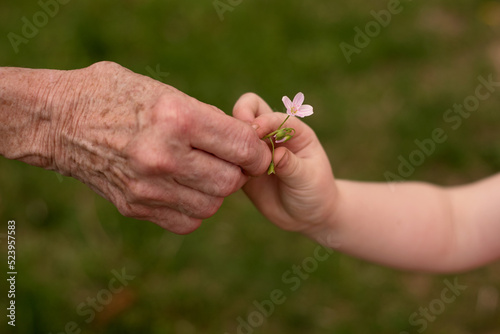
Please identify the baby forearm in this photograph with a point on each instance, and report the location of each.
(403, 225)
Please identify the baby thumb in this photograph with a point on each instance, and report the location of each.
(288, 167)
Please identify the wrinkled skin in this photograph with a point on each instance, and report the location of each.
(154, 152)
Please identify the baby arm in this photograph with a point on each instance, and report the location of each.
(419, 226)
(408, 225)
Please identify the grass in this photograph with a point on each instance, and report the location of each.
(368, 112)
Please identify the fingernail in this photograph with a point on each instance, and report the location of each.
(255, 126)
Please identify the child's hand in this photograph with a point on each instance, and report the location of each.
(302, 196)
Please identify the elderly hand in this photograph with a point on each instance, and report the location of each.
(154, 152)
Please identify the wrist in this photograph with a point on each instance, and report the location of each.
(29, 99)
(71, 104)
(327, 231)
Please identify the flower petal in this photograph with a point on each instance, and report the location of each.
(287, 103)
(298, 100)
(305, 110)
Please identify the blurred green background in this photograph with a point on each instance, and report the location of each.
(367, 113)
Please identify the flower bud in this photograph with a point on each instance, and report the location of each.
(284, 139)
(283, 135)
(270, 170)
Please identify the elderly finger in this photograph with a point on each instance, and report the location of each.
(169, 219)
(210, 175)
(231, 140)
(158, 192)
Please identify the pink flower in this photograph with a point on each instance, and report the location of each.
(296, 108)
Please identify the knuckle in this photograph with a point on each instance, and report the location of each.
(176, 222)
(129, 210)
(214, 109)
(159, 165)
(139, 192)
(134, 191)
(210, 207)
(125, 210)
(201, 207)
(106, 66)
(228, 183)
(148, 162)
(245, 149)
(173, 110)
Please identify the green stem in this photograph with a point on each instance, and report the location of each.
(272, 154)
(287, 117)
(276, 131)
(270, 170)
(270, 136)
